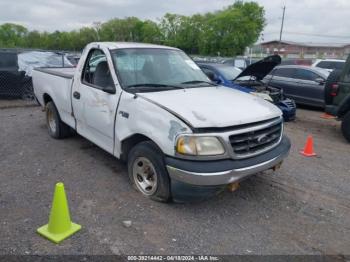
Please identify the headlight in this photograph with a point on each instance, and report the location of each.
(199, 145)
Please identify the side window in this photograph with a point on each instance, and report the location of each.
(305, 75)
(96, 70)
(284, 72)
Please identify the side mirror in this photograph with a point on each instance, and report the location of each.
(109, 89)
(320, 80)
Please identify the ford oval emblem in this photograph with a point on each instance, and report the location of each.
(262, 138)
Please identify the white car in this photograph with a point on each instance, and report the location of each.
(152, 106)
(329, 64)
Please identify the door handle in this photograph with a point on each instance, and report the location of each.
(76, 95)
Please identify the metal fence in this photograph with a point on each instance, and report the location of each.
(15, 78)
(15, 85)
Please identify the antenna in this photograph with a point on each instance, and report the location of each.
(284, 9)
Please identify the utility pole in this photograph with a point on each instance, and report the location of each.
(97, 27)
(279, 44)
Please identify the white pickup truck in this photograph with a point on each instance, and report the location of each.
(181, 135)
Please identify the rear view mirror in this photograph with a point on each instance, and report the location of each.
(320, 80)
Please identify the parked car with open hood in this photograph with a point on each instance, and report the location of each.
(249, 81)
(180, 134)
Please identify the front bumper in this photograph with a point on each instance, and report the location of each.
(222, 172)
(288, 109)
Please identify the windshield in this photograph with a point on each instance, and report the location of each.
(229, 72)
(152, 68)
(331, 64)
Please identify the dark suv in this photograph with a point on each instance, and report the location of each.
(337, 97)
(303, 84)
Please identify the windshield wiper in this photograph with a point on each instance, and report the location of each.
(198, 82)
(147, 85)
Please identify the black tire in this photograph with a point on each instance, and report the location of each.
(333, 78)
(148, 150)
(61, 130)
(345, 126)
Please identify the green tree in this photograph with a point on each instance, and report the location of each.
(231, 30)
(150, 32)
(170, 27)
(12, 35)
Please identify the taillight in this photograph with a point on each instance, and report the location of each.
(334, 89)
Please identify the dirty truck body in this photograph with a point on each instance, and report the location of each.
(181, 135)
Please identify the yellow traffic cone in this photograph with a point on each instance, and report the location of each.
(60, 225)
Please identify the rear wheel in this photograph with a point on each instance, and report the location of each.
(57, 129)
(345, 126)
(147, 171)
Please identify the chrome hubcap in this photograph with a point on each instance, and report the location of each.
(145, 176)
(51, 121)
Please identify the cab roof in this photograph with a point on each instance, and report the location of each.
(121, 45)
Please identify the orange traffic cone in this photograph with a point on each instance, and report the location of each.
(327, 116)
(309, 147)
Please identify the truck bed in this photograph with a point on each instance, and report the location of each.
(66, 72)
(55, 83)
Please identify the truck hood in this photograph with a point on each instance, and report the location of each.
(213, 106)
(261, 68)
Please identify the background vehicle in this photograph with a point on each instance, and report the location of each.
(73, 59)
(28, 60)
(153, 107)
(331, 86)
(338, 97)
(240, 62)
(302, 83)
(296, 61)
(233, 77)
(13, 81)
(329, 64)
(222, 74)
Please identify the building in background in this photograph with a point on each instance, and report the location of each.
(291, 49)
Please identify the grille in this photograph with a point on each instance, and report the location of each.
(253, 142)
(290, 103)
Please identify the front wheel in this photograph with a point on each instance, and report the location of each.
(147, 171)
(345, 126)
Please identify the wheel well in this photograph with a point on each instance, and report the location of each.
(47, 98)
(130, 142)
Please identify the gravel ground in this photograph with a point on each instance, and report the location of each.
(303, 208)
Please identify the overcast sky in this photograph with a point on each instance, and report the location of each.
(305, 20)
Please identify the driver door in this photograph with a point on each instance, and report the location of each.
(95, 100)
